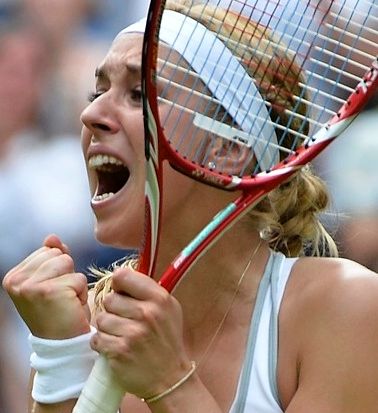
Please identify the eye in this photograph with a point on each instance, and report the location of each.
(92, 96)
(136, 94)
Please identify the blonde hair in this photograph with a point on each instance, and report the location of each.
(288, 217)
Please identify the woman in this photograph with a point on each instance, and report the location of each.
(311, 344)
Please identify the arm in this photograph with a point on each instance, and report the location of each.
(51, 298)
(338, 336)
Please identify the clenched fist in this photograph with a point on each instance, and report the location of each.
(48, 294)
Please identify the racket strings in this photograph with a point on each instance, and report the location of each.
(184, 134)
(333, 9)
(183, 67)
(321, 63)
(371, 15)
(356, 33)
(244, 115)
(319, 36)
(328, 50)
(213, 100)
(291, 117)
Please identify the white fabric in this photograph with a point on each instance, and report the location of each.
(260, 396)
(62, 367)
(223, 75)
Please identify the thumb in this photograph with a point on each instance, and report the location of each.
(53, 241)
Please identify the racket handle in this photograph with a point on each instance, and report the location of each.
(102, 392)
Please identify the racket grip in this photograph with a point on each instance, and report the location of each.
(102, 392)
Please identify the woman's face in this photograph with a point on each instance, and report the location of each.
(113, 146)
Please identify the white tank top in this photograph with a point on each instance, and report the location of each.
(257, 389)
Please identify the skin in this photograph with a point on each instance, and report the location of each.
(328, 332)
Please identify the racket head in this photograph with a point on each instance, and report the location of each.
(297, 80)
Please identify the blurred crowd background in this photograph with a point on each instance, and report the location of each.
(48, 51)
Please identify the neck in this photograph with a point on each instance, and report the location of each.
(214, 287)
(208, 288)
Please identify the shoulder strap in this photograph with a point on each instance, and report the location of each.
(269, 297)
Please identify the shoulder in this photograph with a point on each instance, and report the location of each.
(331, 305)
(334, 293)
(334, 285)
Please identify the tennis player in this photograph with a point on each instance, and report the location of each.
(255, 327)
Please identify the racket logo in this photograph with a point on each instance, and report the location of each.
(211, 179)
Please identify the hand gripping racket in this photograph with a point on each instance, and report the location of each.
(240, 98)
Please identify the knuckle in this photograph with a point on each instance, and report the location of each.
(55, 252)
(33, 291)
(8, 282)
(163, 297)
(67, 261)
(118, 276)
(139, 312)
(13, 279)
(94, 341)
(163, 300)
(151, 314)
(108, 301)
(138, 334)
(124, 350)
(81, 279)
(100, 320)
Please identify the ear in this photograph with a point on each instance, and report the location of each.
(230, 157)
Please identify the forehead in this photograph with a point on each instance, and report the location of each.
(125, 55)
(125, 58)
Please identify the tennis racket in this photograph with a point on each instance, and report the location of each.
(241, 98)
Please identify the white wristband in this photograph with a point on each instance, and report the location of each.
(62, 367)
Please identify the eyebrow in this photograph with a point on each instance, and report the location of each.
(134, 68)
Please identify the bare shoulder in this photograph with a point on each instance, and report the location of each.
(335, 286)
(332, 305)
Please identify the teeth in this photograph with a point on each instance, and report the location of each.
(102, 196)
(97, 161)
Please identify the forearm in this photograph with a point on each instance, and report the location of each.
(191, 397)
(64, 407)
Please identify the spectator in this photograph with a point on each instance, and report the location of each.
(43, 184)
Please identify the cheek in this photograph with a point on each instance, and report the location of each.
(86, 137)
(177, 192)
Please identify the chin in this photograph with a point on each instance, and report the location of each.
(115, 236)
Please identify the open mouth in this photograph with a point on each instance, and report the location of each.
(112, 176)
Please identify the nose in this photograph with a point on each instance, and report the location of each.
(99, 116)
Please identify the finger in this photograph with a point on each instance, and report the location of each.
(51, 265)
(137, 285)
(72, 284)
(27, 268)
(107, 344)
(111, 324)
(78, 283)
(28, 259)
(123, 305)
(53, 241)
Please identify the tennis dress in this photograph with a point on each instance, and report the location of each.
(257, 389)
